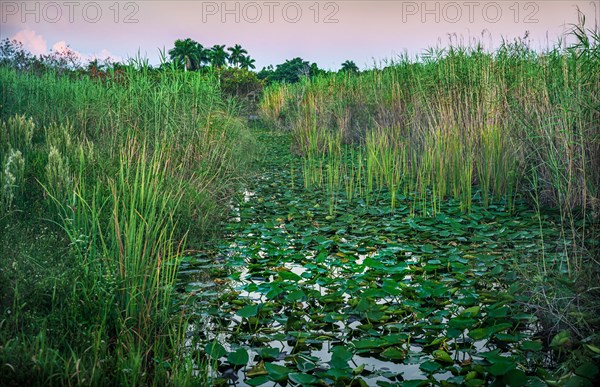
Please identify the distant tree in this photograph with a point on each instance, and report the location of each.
(188, 53)
(62, 60)
(292, 70)
(94, 65)
(349, 67)
(247, 63)
(315, 70)
(236, 55)
(218, 56)
(266, 73)
(13, 54)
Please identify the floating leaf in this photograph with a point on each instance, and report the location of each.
(443, 356)
(276, 372)
(561, 338)
(257, 381)
(215, 350)
(428, 248)
(470, 312)
(288, 275)
(501, 367)
(340, 356)
(578, 381)
(515, 377)
(531, 346)
(248, 311)
(239, 357)
(588, 370)
(268, 353)
(302, 379)
(368, 343)
(430, 366)
(358, 370)
(394, 354)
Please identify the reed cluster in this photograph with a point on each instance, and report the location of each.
(124, 176)
(460, 123)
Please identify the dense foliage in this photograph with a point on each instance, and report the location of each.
(103, 185)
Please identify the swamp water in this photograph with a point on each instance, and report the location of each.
(366, 296)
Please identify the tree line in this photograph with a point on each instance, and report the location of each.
(186, 55)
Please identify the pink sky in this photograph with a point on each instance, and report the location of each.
(326, 32)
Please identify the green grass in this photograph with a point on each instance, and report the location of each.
(473, 130)
(104, 187)
(460, 123)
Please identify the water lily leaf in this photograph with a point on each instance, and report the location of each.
(374, 264)
(215, 350)
(339, 373)
(457, 380)
(288, 275)
(461, 323)
(454, 333)
(442, 356)
(474, 382)
(257, 381)
(248, 311)
(498, 312)
(560, 339)
(276, 372)
(470, 312)
(268, 353)
(296, 295)
(340, 356)
(363, 305)
(239, 357)
(501, 367)
(430, 366)
(515, 377)
(368, 343)
(305, 365)
(588, 370)
(394, 354)
(531, 346)
(480, 333)
(302, 379)
(358, 370)
(415, 383)
(508, 338)
(487, 332)
(428, 248)
(578, 381)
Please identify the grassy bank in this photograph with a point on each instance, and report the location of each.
(474, 127)
(104, 184)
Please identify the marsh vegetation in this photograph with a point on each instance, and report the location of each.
(434, 221)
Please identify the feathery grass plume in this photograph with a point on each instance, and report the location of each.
(58, 178)
(16, 132)
(11, 179)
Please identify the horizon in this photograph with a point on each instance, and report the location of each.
(323, 32)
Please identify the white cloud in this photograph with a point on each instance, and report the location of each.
(106, 55)
(61, 47)
(102, 56)
(36, 44)
(33, 42)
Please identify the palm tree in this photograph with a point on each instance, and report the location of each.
(247, 63)
(188, 53)
(218, 56)
(349, 67)
(236, 55)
